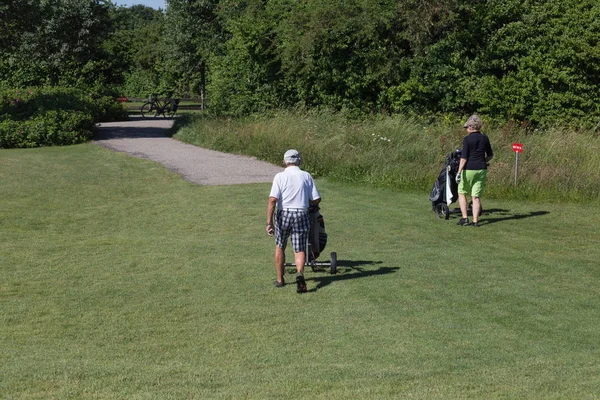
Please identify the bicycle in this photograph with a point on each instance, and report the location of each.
(166, 107)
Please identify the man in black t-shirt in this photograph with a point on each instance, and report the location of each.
(472, 170)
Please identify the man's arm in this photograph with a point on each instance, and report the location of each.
(270, 211)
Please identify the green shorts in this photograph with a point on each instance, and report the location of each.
(472, 182)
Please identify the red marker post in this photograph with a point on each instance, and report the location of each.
(517, 148)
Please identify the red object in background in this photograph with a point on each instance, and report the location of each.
(517, 147)
(122, 99)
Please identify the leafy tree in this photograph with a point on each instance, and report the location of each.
(193, 34)
(244, 71)
(340, 54)
(530, 61)
(12, 15)
(534, 61)
(135, 47)
(313, 53)
(545, 65)
(61, 43)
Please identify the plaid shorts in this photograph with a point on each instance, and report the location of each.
(294, 224)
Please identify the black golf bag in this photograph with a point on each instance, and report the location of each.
(317, 235)
(445, 188)
(317, 239)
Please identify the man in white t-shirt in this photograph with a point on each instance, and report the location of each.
(293, 191)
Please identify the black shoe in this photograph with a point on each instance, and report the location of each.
(300, 284)
(463, 222)
(279, 284)
(475, 224)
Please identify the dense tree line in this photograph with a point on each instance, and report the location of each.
(88, 44)
(531, 61)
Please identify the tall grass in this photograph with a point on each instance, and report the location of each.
(406, 153)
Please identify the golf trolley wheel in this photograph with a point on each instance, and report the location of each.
(442, 211)
(333, 263)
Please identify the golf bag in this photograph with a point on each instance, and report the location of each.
(317, 236)
(316, 241)
(445, 188)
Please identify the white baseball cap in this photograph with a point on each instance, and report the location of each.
(292, 157)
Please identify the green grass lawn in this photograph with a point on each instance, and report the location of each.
(119, 280)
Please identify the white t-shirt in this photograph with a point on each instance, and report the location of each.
(294, 188)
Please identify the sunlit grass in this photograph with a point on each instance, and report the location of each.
(118, 280)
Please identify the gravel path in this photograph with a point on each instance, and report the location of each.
(147, 138)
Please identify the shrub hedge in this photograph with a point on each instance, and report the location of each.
(55, 116)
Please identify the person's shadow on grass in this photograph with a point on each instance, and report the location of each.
(347, 269)
(507, 216)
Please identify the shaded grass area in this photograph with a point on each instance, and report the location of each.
(119, 280)
(406, 153)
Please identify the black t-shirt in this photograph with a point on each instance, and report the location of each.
(476, 147)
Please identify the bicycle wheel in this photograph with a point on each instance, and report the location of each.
(147, 108)
(166, 111)
(169, 112)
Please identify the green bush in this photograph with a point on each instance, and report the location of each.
(105, 108)
(53, 128)
(528, 61)
(140, 83)
(52, 116)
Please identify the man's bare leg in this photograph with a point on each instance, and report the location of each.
(279, 262)
(300, 259)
